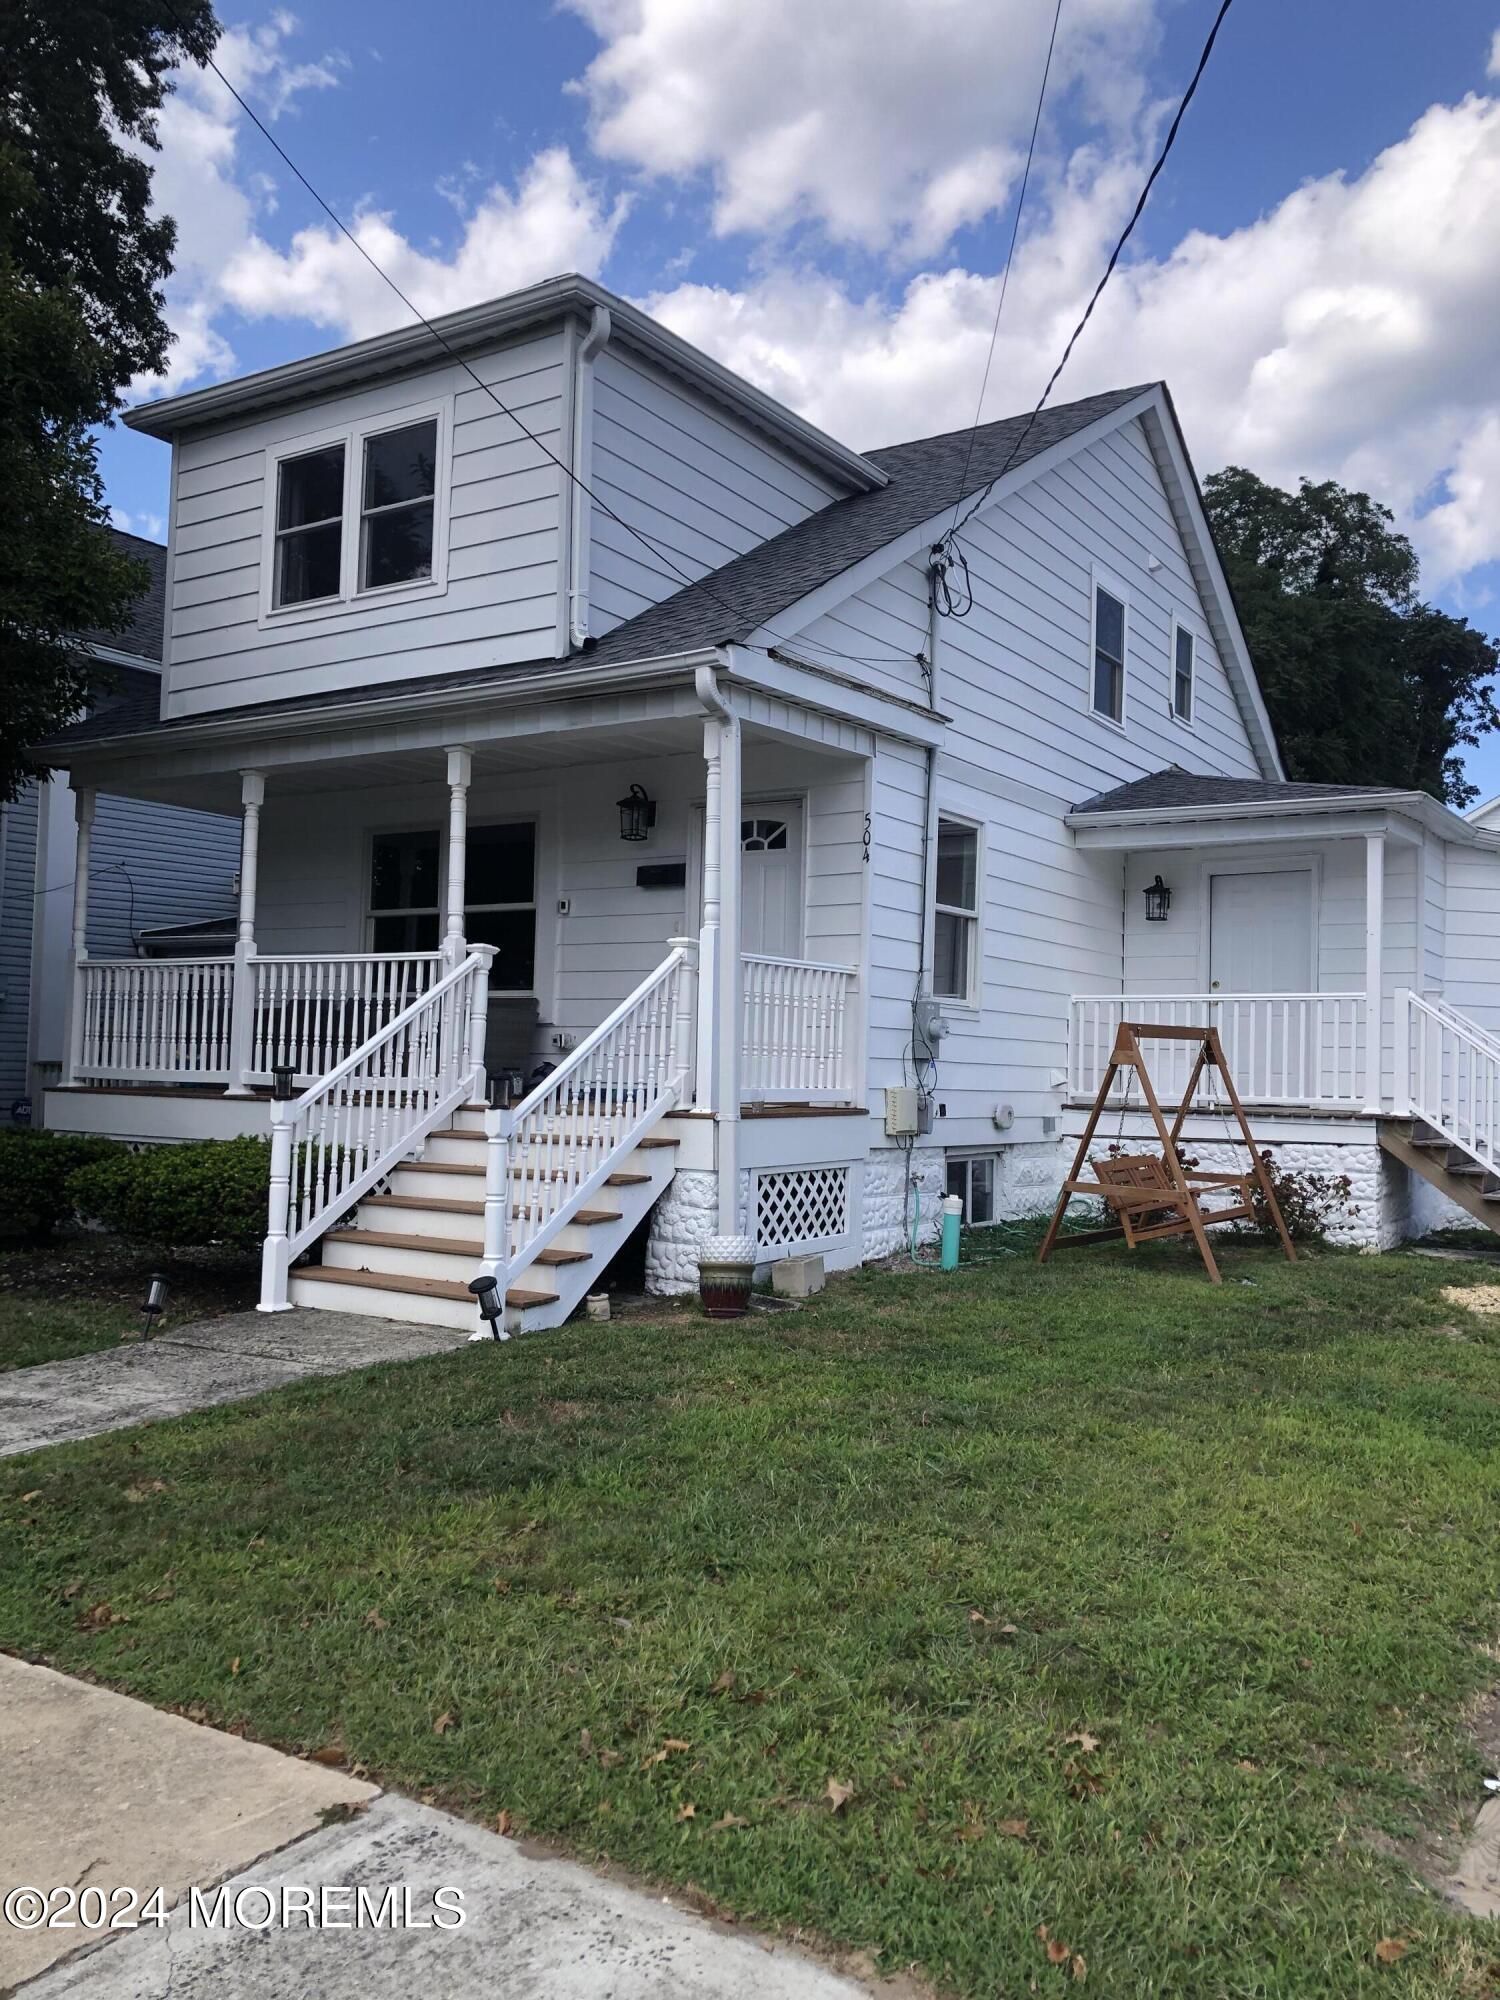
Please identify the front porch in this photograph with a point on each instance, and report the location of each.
(581, 842)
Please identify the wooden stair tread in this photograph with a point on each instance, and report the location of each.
(442, 1246)
(398, 1281)
(448, 1205)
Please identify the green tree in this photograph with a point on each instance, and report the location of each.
(1366, 684)
(82, 260)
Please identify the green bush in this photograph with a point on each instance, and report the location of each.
(36, 1169)
(210, 1191)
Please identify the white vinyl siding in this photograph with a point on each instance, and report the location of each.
(700, 483)
(498, 510)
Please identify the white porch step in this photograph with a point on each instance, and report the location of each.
(410, 1252)
(416, 1256)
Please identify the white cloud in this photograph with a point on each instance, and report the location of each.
(890, 125)
(223, 202)
(152, 527)
(1352, 331)
(1494, 63)
(554, 221)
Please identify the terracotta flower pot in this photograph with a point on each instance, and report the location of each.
(726, 1270)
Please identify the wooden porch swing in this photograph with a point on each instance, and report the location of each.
(1154, 1194)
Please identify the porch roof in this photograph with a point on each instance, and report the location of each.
(1181, 808)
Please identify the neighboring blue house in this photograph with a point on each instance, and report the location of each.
(155, 868)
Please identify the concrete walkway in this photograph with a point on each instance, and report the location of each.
(97, 1789)
(193, 1367)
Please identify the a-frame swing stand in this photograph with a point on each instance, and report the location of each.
(1156, 1195)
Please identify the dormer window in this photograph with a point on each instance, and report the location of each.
(400, 486)
(310, 525)
(357, 515)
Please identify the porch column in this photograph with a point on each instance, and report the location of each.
(1374, 931)
(242, 1003)
(83, 813)
(726, 991)
(705, 1069)
(460, 769)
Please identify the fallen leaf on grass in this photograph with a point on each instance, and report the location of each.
(234, 1664)
(586, 1742)
(668, 1746)
(609, 1759)
(374, 1620)
(444, 1723)
(1082, 1782)
(1057, 1954)
(34, 1494)
(1390, 1950)
(331, 1754)
(1080, 1966)
(71, 1590)
(143, 1490)
(684, 1812)
(1014, 1829)
(1248, 1764)
(1086, 1742)
(725, 1682)
(503, 1823)
(838, 1794)
(100, 1616)
(730, 1819)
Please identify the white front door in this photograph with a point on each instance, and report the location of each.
(771, 878)
(1260, 931)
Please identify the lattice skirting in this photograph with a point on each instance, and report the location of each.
(801, 1208)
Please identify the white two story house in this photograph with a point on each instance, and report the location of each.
(621, 802)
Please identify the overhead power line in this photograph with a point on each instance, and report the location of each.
(1010, 255)
(1098, 292)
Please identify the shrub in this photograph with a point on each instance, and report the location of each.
(209, 1191)
(36, 1169)
(1308, 1202)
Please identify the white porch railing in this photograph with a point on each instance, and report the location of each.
(312, 1012)
(333, 1143)
(1452, 1074)
(798, 1031)
(551, 1152)
(145, 1020)
(1299, 1049)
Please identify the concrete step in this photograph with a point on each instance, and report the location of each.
(461, 1174)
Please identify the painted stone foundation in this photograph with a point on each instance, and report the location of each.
(884, 1215)
(1377, 1214)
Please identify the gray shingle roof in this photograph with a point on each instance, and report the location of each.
(143, 635)
(1176, 787)
(740, 598)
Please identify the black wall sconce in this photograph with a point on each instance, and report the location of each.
(1158, 901)
(637, 813)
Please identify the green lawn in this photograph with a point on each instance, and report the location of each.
(1142, 1611)
(83, 1292)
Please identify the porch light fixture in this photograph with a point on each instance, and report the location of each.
(153, 1305)
(283, 1089)
(1158, 901)
(637, 813)
(491, 1307)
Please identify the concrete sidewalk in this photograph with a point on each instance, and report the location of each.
(194, 1367)
(97, 1789)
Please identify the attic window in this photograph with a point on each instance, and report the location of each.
(1109, 656)
(396, 506)
(309, 525)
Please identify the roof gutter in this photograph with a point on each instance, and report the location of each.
(1417, 805)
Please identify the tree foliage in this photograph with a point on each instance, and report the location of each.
(1365, 683)
(82, 261)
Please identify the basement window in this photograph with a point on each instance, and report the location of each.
(972, 1179)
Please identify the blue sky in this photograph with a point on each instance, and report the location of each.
(822, 194)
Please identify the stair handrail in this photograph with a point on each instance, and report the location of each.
(349, 1129)
(1452, 1075)
(587, 1114)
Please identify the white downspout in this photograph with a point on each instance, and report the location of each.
(581, 458)
(724, 726)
